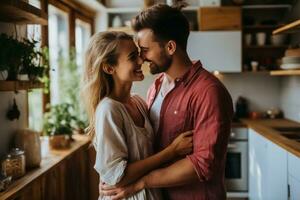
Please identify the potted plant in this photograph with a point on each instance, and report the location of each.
(11, 52)
(21, 59)
(59, 124)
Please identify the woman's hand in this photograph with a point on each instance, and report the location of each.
(118, 193)
(182, 144)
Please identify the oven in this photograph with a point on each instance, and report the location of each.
(236, 168)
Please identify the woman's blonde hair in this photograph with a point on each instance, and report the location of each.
(96, 84)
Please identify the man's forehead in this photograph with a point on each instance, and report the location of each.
(144, 35)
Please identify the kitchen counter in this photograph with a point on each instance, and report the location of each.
(50, 160)
(265, 127)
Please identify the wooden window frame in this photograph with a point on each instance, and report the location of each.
(74, 11)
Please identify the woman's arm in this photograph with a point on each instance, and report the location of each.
(182, 145)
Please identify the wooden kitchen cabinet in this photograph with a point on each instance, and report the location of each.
(63, 175)
(217, 50)
(267, 169)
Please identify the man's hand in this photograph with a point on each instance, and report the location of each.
(118, 193)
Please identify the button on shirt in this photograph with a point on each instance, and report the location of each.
(198, 102)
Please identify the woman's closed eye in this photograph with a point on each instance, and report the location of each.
(133, 55)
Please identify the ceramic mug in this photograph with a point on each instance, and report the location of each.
(261, 38)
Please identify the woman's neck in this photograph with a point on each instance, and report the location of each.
(121, 92)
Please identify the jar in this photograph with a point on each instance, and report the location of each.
(14, 163)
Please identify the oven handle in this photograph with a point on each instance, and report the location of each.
(232, 146)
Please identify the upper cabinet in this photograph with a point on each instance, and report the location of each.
(20, 12)
(217, 50)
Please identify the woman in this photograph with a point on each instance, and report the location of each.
(119, 123)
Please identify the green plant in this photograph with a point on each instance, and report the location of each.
(20, 57)
(70, 86)
(11, 53)
(60, 120)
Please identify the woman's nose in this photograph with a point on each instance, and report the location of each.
(140, 60)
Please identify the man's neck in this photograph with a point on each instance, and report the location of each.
(180, 65)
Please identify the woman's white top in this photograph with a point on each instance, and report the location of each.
(119, 141)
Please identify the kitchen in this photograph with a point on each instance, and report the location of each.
(240, 42)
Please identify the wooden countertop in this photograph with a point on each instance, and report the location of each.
(50, 159)
(265, 127)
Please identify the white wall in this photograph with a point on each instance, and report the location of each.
(290, 85)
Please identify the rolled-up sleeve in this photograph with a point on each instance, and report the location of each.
(111, 147)
(212, 113)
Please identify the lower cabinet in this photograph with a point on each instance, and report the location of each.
(294, 176)
(267, 169)
(68, 180)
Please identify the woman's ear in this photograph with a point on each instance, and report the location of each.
(171, 47)
(108, 69)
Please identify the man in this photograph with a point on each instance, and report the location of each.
(183, 97)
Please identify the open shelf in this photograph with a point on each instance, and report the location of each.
(125, 29)
(260, 27)
(20, 85)
(271, 6)
(20, 12)
(295, 72)
(295, 25)
(266, 47)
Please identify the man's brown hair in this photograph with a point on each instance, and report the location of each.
(167, 23)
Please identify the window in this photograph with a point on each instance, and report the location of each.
(58, 49)
(35, 97)
(82, 35)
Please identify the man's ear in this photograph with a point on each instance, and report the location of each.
(108, 69)
(171, 47)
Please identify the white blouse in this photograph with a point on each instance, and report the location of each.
(119, 141)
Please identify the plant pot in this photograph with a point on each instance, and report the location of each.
(3, 75)
(12, 75)
(59, 141)
(23, 77)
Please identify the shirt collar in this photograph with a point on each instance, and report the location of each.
(196, 66)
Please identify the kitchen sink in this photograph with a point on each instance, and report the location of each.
(287, 129)
(292, 133)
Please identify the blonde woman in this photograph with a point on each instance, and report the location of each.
(118, 121)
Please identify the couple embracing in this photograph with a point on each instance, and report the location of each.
(174, 145)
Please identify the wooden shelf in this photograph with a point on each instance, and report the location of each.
(123, 10)
(266, 47)
(289, 27)
(19, 12)
(19, 85)
(271, 6)
(125, 29)
(285, 72)
(256, 27)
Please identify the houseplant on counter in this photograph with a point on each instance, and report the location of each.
(59, 124)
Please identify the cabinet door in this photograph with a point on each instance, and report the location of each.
(294, 188)
(276, 172)
(294, 176)
(217, 50)
(267, 169)
(257, 166)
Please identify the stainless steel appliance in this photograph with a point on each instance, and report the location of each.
(236, 171)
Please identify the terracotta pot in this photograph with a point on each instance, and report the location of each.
(60, 141)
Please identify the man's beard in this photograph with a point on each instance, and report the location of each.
(164, 65)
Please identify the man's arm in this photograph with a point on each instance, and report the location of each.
(181, 172)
